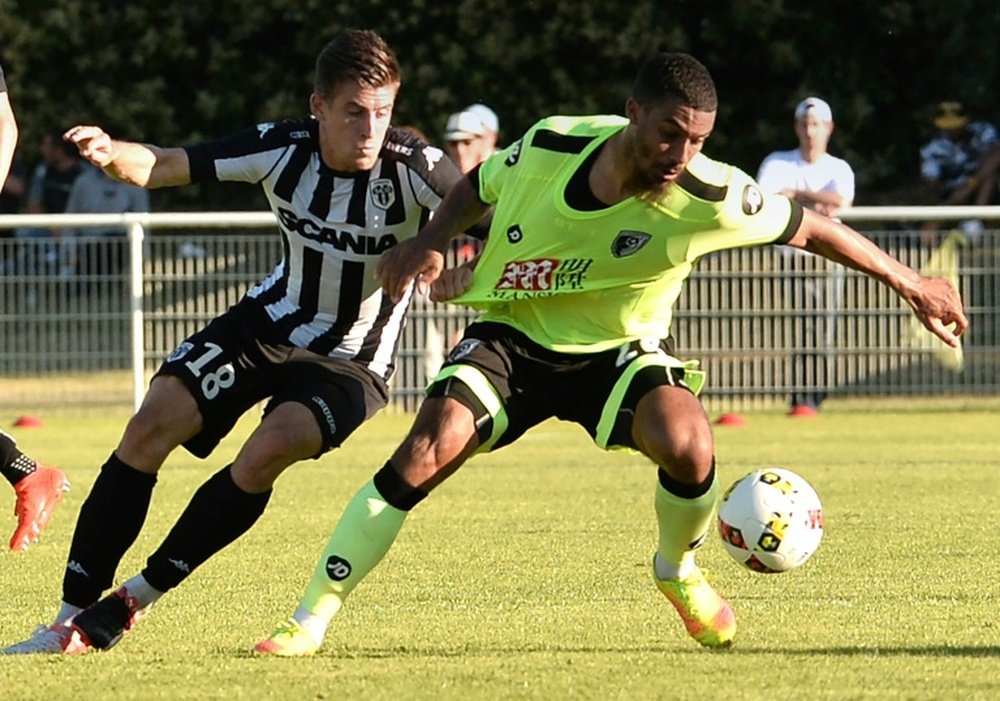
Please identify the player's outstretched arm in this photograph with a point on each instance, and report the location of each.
(8, 136)
(935, 301)
(422, 257)
(144, 165)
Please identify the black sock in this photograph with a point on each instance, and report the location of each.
(396, 491)
(218, 513)
(685, 490)
(109, 522)
(14, 465)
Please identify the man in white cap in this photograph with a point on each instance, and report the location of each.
(471, 136)
(809, 175)
(490, 121)
(822, 182)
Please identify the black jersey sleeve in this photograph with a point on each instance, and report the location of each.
(431, 172)
(247, 155)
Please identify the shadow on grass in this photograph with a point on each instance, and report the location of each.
(935, 651)
(901, 651)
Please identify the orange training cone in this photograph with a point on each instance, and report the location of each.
(731, 419)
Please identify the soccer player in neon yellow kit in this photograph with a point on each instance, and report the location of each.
(597, 223)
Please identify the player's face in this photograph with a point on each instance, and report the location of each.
(666, 136)
(353, 121)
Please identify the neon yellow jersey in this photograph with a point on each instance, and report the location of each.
(584, 281)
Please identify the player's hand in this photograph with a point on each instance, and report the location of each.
(939, 307)
(408, 261)
(451, 283)
(94, 144)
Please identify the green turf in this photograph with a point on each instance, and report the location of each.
(526, 575)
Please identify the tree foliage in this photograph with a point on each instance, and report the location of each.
(178, 72)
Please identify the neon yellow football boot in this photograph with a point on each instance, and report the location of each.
(288, 640)
(708, 617)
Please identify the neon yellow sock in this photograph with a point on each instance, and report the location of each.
(683, 525)
(363, 536)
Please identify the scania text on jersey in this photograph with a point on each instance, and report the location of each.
(341, 240)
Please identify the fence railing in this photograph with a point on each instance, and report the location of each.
(88, 320)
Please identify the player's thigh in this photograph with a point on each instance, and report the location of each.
(649, 400)
(482, 373)
(168, 416)
(287, 433)
(339, 394)
(672, 429)
(224, 372)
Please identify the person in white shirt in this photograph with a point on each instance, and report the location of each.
(822, 182)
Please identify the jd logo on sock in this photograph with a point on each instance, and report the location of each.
(337, 568)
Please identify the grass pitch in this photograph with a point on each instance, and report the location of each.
(527, 574)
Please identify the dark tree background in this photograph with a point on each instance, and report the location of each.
(173, 73)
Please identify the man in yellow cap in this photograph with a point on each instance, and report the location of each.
(961, 163)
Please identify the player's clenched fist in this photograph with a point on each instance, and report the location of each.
(405, 262)
(451, 283)
(94, 144)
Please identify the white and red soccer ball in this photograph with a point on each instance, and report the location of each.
(771, 520)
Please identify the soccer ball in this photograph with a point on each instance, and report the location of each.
(770, 520)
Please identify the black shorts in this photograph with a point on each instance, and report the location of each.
(229, 367)
(511, 384)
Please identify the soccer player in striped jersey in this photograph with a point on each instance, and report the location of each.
(597, 223)
(317, 337)
(37, 488)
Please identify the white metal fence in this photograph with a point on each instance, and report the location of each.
(87, 321)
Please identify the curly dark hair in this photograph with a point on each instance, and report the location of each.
(358, 55)
(675, 75)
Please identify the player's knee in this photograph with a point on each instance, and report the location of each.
(150, 435)
(685, 454)
(439, 442)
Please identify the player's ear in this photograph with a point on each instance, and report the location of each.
(632, 110)
(316, 105)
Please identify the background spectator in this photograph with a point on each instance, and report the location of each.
(470, 136)
(820, 181)
(48, 193)
(96, 193)
(959, 165)
(53, 178)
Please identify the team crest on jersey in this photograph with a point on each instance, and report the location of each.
(383, 192)
(180, 351)
(464, 348)
(753, 199)
(628, 242)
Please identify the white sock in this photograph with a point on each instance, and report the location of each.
(314, 625)
(668, 570)
(66, 613)
(143, 591)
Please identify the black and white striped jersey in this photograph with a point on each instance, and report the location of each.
(323, 294)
